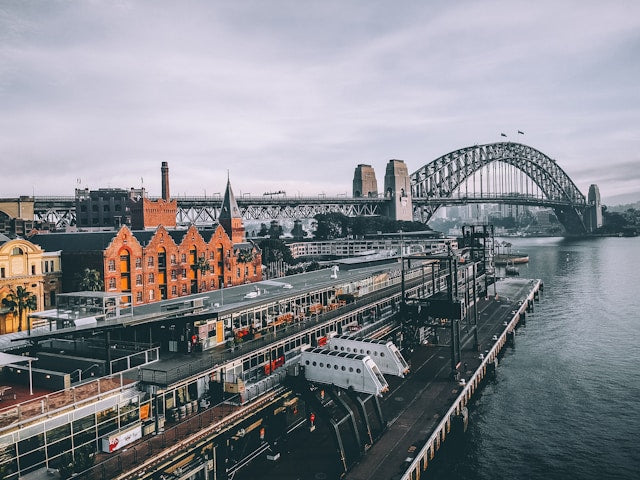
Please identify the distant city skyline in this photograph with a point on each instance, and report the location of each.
(292, 96)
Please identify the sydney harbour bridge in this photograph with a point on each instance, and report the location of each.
(497, 173)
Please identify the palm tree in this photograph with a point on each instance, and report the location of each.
(22, 300)
(90, 279)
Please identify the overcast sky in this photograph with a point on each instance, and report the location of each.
(292, 95)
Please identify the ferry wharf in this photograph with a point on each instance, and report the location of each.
(424, 409)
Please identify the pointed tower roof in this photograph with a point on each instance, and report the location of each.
(229, 205)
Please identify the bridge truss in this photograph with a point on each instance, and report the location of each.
(202, 210)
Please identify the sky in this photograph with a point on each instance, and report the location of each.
(292, 95)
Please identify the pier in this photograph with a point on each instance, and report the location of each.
(419, 427)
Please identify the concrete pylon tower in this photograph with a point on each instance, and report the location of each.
(593, 213)
(397, 191)
(230, 216)
(165, 182)
(364, 182)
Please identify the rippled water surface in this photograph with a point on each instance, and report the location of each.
(566, 403)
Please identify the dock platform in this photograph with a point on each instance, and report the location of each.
(422, 419)
(420, 408)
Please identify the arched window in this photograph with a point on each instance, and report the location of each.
(17, 251)
(125, 270)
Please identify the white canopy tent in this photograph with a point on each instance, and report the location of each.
(8, 359)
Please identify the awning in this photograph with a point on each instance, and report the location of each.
(8, 359)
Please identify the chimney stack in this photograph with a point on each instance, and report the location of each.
(165, 181)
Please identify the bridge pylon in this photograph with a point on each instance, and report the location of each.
(397, 191)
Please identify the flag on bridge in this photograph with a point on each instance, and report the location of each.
(520, 132)
(503, 134)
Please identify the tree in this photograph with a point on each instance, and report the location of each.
(298, 233)
(264, 230)
(21, 300)
(274, 250)
(275, 230)
(245, 255)
(331, 225)
(90, 280)
(313, 266)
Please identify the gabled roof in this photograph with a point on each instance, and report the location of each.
(229, 205)
(74, 241)
(99, 241)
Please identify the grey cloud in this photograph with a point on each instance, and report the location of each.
(293, 98)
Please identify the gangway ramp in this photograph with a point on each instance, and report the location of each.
(384, 353)
(346, 370)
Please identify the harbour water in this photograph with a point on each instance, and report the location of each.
(566, 403)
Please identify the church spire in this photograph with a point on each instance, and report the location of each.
(230, 216)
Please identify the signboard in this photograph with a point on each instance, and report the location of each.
(117, 440)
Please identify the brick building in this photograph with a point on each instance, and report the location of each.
(108, 208)
(147, 213)
(152, 265)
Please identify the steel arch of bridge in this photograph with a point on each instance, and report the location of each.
(434, 184)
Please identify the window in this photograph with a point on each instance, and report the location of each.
(152, 294)
(184, 273)
(139, 297)
(150, 261)
(255, 270)
(112, 266)
(112, 283)
(2, 272)
(33, 269)
(152, 278)
(183, 258)
(138, 279)
(211, 255)
(184, 289)
(173, 259)
(138, 262)
(246, 271)
(105, 208)
(174, 290)
(51, 266)
(174, 275)
(237, 272)
(46, 267)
